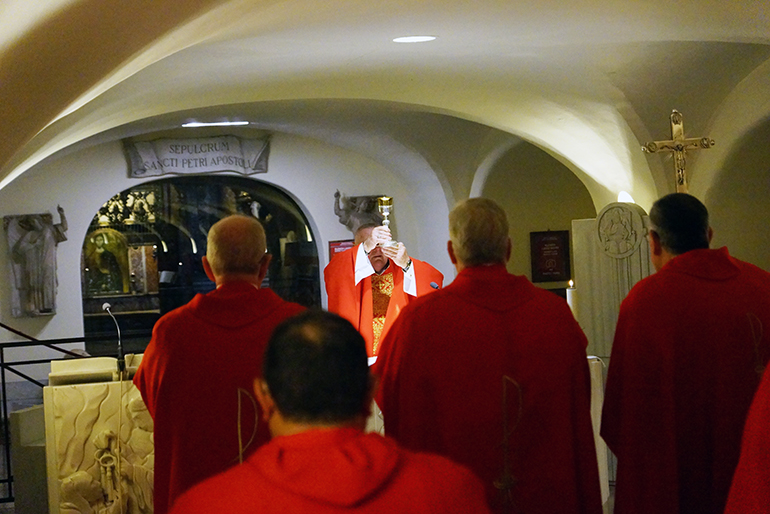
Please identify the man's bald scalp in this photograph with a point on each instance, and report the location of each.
(236, 245)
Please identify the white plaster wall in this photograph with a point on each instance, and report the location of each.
(308, 170)
(538, 193)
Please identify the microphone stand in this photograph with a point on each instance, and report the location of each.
(122, 376)
(121, 358)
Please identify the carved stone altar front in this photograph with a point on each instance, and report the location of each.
(99, 439)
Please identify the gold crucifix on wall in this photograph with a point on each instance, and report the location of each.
(679, 146)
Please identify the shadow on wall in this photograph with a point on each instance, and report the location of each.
(738, 200)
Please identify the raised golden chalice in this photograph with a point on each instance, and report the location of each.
(385, 206)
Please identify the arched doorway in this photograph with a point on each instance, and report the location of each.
(142, 253)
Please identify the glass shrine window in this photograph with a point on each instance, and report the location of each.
(142, 253)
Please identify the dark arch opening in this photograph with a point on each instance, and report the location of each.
(142, 252)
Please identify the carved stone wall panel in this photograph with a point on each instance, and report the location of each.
(99, 448)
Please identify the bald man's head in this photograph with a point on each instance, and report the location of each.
(236, 246)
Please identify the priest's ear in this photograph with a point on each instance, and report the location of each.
(207, 269)
(655, 247)
(263, 397)
(264, 265)
(658, 255)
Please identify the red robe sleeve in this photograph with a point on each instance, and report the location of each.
(150, 373)
(344, 297)
(750, 490)
(637, 407)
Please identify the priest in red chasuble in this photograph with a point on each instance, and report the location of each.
(491, 372)
(370, 283)
(315, 393)
(689, 349)
(198, 369)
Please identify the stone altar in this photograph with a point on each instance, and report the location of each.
(99, 441)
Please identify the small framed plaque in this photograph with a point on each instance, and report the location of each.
(340, 246)
(550, 256)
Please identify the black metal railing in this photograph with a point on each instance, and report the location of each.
(6, 478)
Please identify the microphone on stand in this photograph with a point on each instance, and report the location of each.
(121, 360)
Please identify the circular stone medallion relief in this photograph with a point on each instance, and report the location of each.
(620, 229)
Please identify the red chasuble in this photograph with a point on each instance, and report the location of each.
(337, 471)
(683, 371)
(442, 371)
(750, 491)
(354, 302)
(200, 364)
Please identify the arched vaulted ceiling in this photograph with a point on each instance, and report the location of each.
(586, 81)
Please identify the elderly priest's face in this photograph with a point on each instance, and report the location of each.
(378, 259)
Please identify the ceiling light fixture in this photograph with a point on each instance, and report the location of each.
(414, 39)
(214, 124)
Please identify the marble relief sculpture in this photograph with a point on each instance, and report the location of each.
(621, 230)
(103, 449)
(81, 493)
(355, 211)
(32, 241)
(139, 466)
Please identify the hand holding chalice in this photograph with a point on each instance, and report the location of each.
(385, 206)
